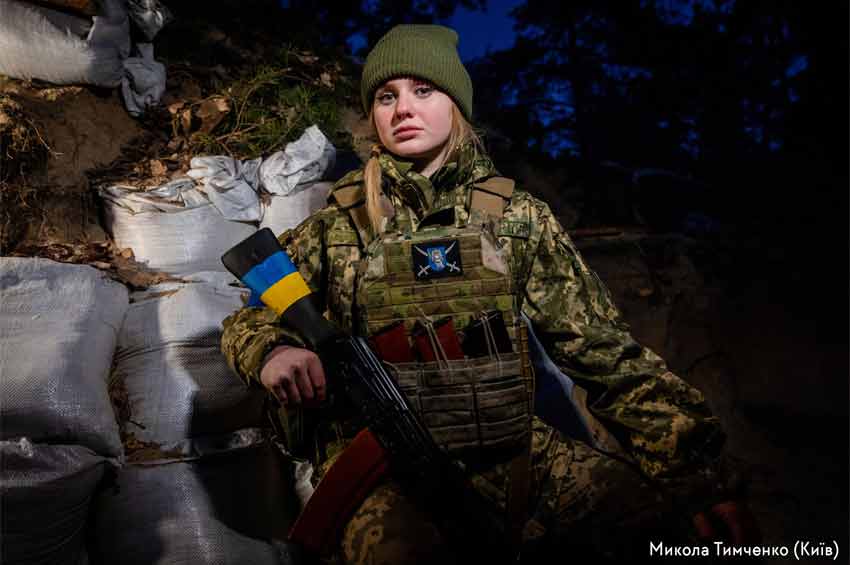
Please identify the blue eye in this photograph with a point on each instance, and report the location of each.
(423, 91)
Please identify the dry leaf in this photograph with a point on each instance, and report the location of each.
(140, 279)
(176, 107)
(211, 111)
(186, 120)
(158, 168)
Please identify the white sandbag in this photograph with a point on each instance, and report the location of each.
(33, 45)
(79, 26)
(230, 184)
(285, 212)
(231, 508)
(144, 80)
(169, 357)
(174, 228)
(46, 495)
(305, 160)
(58, 328)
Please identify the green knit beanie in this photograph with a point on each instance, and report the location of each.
(424, 51)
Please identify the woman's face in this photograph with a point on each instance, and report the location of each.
(413, 119)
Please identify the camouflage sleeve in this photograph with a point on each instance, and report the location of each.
(663, 422)
(251, 333)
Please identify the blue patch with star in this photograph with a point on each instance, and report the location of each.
(436, 259)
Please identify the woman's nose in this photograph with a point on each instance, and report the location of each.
(403, 105)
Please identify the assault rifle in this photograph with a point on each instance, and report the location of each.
(429, 475)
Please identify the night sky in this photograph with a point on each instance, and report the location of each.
(482, 31)
(479, 31)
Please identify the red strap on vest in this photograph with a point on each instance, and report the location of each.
(340, 492)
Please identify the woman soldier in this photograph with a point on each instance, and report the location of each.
(427, 236)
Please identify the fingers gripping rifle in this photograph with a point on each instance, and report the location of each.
(430, 475)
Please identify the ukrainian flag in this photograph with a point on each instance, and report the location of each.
(267, 270)
(263, 266)
(277, 282)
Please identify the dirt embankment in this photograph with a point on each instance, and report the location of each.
(53, 137)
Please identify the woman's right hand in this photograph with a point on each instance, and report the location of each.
(293, 375)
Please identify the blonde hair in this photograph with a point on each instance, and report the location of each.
(461, 133)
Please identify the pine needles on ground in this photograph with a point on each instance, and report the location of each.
(273, 104)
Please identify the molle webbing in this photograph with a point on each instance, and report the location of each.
(400, 296)
(474, 406)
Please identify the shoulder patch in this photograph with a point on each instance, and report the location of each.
(500, 186)
(349, 196)
(491, 195)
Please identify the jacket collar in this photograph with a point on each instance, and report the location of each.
(421, 193)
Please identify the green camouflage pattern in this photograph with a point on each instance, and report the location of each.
(582, 503)
(389, 529)
(663, 424)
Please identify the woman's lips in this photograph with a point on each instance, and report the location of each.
(406, 133)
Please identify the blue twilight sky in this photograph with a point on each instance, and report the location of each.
(479, 31)
(482, 31)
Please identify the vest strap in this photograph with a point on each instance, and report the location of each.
(519, 485)
(352, 199)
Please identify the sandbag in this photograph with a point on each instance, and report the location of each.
(305, 160)
(36, 42)
(78, 24)
(58, 329)
(231, 508)
(174, 228)
(230, 184)
(285, 212)
(46, 494)
(169, 358)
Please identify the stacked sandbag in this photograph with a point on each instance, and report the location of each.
(184, 226)
(39, 42)
(46, 496)
(174, 228)
(234, 506)
(169, 360)
(283, 212)
(293, 179)
(58, 327)
(215, 489)
(306, 160)
(85, 42)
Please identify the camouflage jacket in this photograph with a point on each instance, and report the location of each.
(661, 421)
